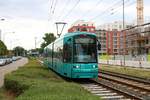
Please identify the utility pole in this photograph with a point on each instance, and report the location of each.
(123, 34)
(123, 15)
(2, 19)
(0, 35)
(35, 42)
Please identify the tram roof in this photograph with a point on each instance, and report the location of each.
(77, 33)
(71, 35)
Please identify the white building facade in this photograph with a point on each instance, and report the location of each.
(117, 25)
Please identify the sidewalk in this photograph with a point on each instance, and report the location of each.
(11, 67)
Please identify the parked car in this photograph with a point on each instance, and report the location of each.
(2, 61)
(14, 58)
(9, 60)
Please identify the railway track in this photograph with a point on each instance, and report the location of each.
(134, 86)
(114, 86)
(104, 92)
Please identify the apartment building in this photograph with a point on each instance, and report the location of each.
(115, 39)
(138, 39)
(82, 25)
(101, 35)
(110, 41)
(116, 25)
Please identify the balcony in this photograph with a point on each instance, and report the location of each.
(147, 45)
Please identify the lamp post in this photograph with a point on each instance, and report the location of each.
(35, 38)
(2, 19)
(123, 34)
(0, 35)
(123, 15)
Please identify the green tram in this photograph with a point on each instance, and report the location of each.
(73, 55)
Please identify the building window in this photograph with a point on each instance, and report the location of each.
(115, 50)
(115, 38)
(84, 25)
(84, 29)
(78, 29)
(115, 34)
(115, 46)
(92, 29)
(147, 51)
(147, 41)
(120, 26)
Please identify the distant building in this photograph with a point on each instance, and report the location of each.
(110, 41)
(138, 39)
(101, 35)
(117, 25)
(33, 53)
(112, 38)
(82, 25)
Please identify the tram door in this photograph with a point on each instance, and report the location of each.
(67, 57)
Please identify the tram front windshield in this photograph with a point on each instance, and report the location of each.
(85, 50)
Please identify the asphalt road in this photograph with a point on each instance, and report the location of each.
(11, 67)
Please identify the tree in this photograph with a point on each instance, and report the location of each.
(3, 49)
(48, 38)
(19, 51)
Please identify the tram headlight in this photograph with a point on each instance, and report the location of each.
(94, 66)
(75, 66)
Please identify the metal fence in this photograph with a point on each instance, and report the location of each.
(141, 61)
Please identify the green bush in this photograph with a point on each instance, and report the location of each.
(1, 94)
(148, 57)
(15, 86)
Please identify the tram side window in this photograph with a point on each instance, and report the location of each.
(46, 53)
(61, 53)
(67, 53)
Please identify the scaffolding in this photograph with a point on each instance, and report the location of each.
(138, 39)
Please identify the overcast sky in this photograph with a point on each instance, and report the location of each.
(27, 19)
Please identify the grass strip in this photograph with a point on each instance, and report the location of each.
(36, 82)
(137, 72)
(1, 94)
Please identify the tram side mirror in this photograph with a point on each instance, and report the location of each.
(99, 46)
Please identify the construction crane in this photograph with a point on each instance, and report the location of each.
(140, 16)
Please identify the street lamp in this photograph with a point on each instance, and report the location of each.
(35, 38)
(2, 19)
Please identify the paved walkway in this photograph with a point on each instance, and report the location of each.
(11, 67)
